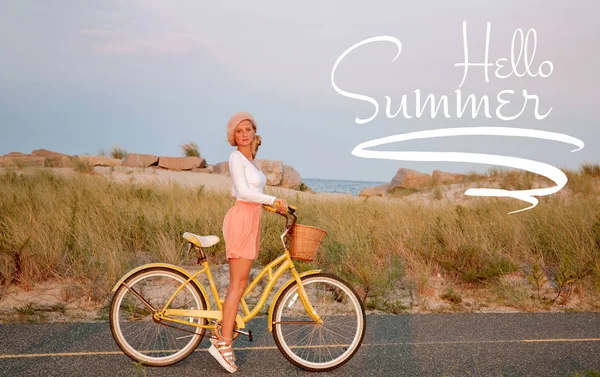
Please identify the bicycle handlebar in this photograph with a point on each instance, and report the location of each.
(289, 215)
(291, 209)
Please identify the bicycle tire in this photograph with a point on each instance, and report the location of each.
(143, 344)
(353, 322)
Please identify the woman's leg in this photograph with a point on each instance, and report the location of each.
(239, 269)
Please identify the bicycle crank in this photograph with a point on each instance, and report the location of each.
(248, 334)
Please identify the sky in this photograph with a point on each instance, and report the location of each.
(148, 76)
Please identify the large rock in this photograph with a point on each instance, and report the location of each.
(181, 163)
(100, 161)
(54, 159)
(439, 176)
(208, 169)
(48, 154)
(138, 160)
(291, 178)
(380, 190)
(276, 173)
(273, 170)
(221, 168)
(21, 160)
(407, 178)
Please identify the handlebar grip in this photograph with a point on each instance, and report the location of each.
(270, 208)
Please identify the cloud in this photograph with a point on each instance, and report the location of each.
(124, 42)
(103, 33)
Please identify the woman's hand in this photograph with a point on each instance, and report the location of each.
(283, 205)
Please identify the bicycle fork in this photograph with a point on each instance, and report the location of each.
(304, 298)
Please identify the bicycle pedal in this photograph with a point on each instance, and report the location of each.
(248, 334)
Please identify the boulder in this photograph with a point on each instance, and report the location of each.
(439, 176)
(48, 154)
(181, 163)
(380, 190)
(276, 173)
(100, 161)
(273, 170)
(291, 178)
(60, 162)
(221, 168)
(54, 159)
(138, 160)
(407, 178)
(20, 160)
(208, 169)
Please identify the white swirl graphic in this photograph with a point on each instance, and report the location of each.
(540, 168)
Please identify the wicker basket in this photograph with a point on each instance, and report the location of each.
(305, 241)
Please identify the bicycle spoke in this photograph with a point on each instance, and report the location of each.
(138, 335)
(326, 345)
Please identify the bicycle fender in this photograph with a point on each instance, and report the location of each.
(280, 291)
(169, 266)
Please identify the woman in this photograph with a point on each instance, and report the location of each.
(241, 227)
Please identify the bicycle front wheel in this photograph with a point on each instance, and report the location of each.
(314, 347)
(132, 324)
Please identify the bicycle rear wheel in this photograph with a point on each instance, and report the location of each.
(136, 332)
(314, 347)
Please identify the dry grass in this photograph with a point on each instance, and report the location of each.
(82, 166)
(118, 152)
(85, 228)
(190, 149)
(589, 169)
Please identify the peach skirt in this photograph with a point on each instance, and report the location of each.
(241, 230)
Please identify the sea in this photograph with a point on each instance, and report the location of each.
(338, 186)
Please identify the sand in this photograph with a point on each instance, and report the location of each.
(215, 182)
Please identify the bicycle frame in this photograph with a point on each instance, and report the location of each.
(285, 263)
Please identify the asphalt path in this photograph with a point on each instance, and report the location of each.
(545, 345)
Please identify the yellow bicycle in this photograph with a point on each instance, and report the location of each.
(160, 312)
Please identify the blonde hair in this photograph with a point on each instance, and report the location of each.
(256, 141)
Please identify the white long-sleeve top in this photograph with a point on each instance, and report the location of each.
(248, 181)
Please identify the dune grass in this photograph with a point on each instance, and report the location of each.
(118, 152)
(91, 230)
(190, 149)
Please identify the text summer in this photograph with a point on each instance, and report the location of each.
(519, 63)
